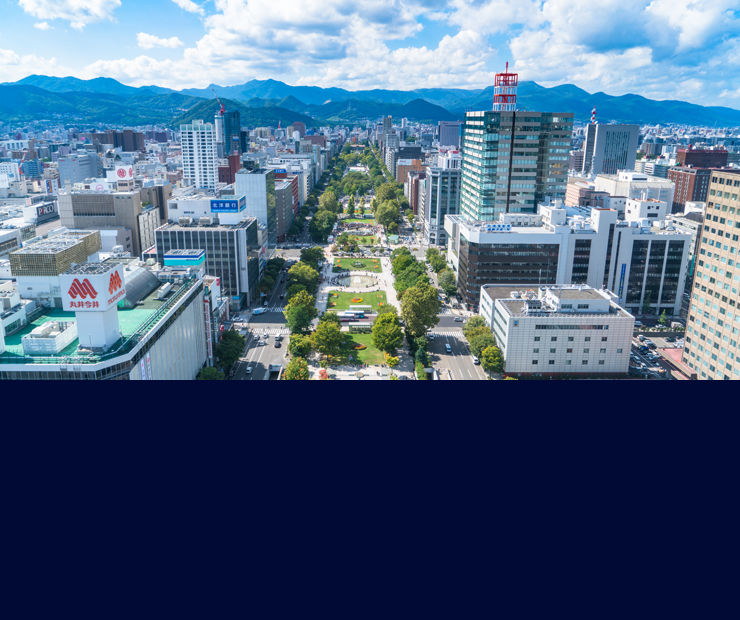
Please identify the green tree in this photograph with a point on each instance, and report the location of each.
(414, 275)
(296, 370)
(293, 290)
(305, 300)
(480, 343)
(420, 372)
(387, 333)
(401, 262)
(298, 319)
(230, 349)
(492, 360)
(294, 230)
(299, 345)
(663, 319)
(387, 213)
(388, 309)
(312, 256)
(266, 284)
(329, 202)
(391, 360)
(351, 206)
(419, 308)
(210, 374)
(304, 274)
(330, 317)
(447, 282)
(327, 339)
(421, 342)
(473, 323)
(421, 357)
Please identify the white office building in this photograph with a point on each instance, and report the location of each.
(610, 148)
(642, 259)
(199, 155)
(558, 330)
(635, 185)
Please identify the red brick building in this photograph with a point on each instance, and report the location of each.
(692, 184)
(702, 158)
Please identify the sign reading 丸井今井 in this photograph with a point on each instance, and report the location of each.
(92, 292)
(224, 205)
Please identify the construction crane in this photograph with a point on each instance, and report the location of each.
(223, 109)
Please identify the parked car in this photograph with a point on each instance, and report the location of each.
(459, 319)
(670, 339)
(641, 338)
(476, 361)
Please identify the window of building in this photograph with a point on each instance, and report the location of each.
(587, 339)
(584, 362)
(534, 362)
(570, 338)
(554, 338)
(603, 338)
(601, 362)
(552, 362)
(536, 338)
(585, 350)
(535, 350)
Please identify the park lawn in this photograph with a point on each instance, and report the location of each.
(357, 221)
(370, 356)
(368, 264)
(343, 301)
(363, 240)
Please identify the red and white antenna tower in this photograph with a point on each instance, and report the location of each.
(593, 116)
(504, 91)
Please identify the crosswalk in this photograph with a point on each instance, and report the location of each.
(275, 309)
(447, 332)
(270, 332)
(445, 311)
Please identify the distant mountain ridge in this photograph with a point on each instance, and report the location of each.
(337, 104)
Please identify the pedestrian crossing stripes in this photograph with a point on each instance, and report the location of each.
(447, 332)
(445, 311)
(275, 309)
(270, 332)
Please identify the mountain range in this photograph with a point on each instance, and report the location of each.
(265, 102)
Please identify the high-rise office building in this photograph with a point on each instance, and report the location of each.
(713, 326)
(232, 132)
(512, 160)
(449, 133)
(442, 197)
(610, 148)
(199, 155)
(258, 188)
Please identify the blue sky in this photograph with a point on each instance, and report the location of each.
(662, 49)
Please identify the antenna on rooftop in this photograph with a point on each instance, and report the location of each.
(593, 116)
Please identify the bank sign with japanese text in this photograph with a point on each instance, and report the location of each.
(223, 205)
(92, 292)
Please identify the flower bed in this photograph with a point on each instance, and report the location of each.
(357, 300)
(359, 347)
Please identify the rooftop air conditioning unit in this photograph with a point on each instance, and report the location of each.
(205, 221)
(185, 221)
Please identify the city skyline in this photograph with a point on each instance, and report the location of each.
(661, 50)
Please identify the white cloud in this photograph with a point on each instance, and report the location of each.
(190, 7)
(14, 66)
(42, 26)
(149, 41)
(78, 13)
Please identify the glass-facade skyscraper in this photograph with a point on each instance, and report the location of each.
(512, 161)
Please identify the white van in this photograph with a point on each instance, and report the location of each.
(260, 310)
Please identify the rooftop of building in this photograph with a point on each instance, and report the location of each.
(244, 223)
(57, 243)
(134, 323)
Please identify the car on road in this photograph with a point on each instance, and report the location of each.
(670, 339)
(476, 361)
(282, 296)
(459, 319)
(448, 348)
(256, 337)
(262, 343)
(249, 370)
(264, 303)
(266, 336)
(260, 310)
(279, 338)
(277, 344)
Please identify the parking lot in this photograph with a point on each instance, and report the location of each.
(651, 362)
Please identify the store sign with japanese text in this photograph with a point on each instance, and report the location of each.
(92, 292)
(223, 205)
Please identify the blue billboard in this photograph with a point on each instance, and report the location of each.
(228, 205)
